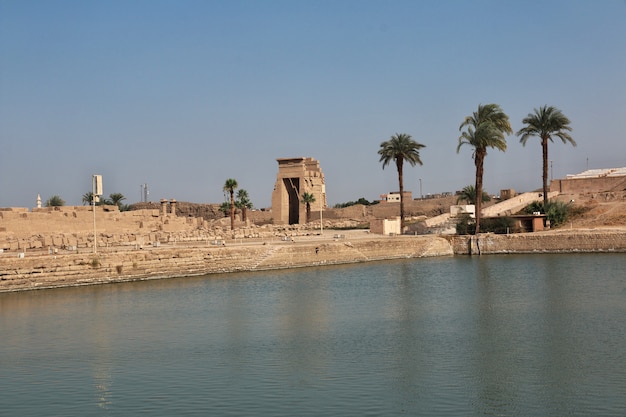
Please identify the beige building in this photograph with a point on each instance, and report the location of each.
(388, 227)
(394, 197)
(591, 181)
(295, 177)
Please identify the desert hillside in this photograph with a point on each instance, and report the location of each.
(597, 209)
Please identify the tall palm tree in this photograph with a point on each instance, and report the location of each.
(486, 128)
(308, 199)
(243, 203)
(468, 193)
(399, 148)
(230, 186)
(545, 123)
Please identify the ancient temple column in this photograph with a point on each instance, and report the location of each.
(173, 207)
(163, 207)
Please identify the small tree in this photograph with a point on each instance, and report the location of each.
(468, 193)
(243, 203)
(88, 198)
(308, 199)
(116, 199)
(55, 201)
(225, 208)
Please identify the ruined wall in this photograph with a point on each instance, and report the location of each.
(73, 227)
(186, 209)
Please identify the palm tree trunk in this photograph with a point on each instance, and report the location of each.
(544, 145)
(232, 210)
(479, 160)
(308, 212)
(401, 185)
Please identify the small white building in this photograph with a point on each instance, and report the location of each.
(387, 227)
(394, 197)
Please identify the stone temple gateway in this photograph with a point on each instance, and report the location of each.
(297, 176)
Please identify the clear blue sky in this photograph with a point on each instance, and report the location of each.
(182, 95)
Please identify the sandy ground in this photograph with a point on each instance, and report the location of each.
(597, 211)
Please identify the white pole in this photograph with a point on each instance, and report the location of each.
(93, 204)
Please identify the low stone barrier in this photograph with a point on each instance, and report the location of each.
(72, 269)
(551, 242)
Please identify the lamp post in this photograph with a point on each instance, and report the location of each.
(421, 195)
(96, 192)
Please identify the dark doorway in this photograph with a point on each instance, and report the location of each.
(293, 191)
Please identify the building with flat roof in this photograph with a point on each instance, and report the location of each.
(591, 180)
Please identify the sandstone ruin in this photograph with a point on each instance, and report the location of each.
(297, 176)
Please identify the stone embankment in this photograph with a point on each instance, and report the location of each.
(72, 269)
(592, 240)
(54, 247)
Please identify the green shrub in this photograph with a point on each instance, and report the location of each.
(465, 225)
(55, 201)
(556, 212)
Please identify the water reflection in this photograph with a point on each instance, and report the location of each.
(511, 335)
(100, 334)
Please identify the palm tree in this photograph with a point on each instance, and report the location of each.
(308, 199)
(88, 198)
(116, 199)
(468, 193)
(230, 186)
(545, 123)
(243, 203)
(225, 208)
(486, 128)
(399, 148)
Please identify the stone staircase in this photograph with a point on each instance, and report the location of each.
(265, 256)
(515, 204)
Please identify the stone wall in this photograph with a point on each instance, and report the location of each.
(588, 241)
(57, 270)
(588, 185)
(73, 226)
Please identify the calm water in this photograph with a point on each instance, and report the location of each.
(541, 335)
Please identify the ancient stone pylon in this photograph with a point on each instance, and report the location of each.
(297, 176)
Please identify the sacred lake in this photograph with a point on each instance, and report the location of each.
(502, 335)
